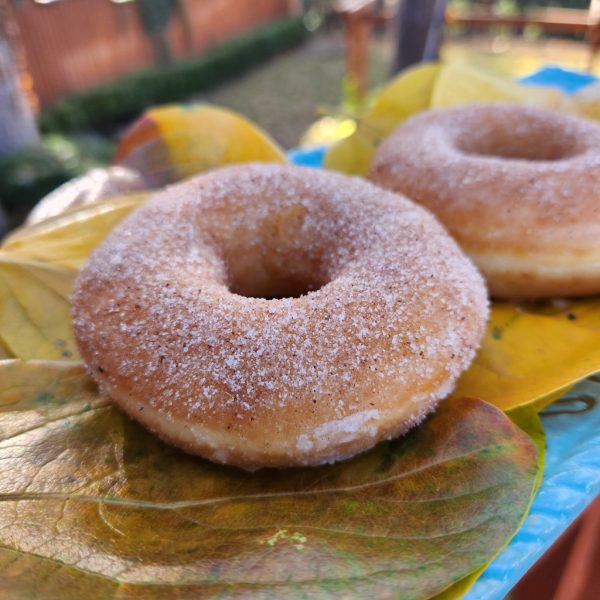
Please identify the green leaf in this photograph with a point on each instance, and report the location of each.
(94, 506)
(527, 419)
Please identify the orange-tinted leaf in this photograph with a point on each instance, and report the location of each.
(171, 142)
(93, 506)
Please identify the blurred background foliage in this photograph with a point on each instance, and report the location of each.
(268, 73)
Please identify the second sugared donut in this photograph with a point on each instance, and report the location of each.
(517, 186)
(270, 315)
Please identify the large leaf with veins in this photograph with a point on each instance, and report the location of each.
(93, 506)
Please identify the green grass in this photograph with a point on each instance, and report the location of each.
(30, 174)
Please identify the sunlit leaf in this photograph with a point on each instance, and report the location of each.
(406, 94)
(328, 130)
(533, 351)
(5, 351)
(35, 315)
(68, 239)
(460, 83)
(352, 155)
(428, 86)
(586, 102)
(169, 143)
(95, 504)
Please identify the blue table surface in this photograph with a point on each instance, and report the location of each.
(572, 472)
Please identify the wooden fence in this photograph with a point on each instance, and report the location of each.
(71, 45)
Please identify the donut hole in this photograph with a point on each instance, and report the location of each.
(272, 284)
(535, 139)
(275, 258)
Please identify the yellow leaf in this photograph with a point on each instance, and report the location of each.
(352, 155)
(585, 102)
(407, 94)
(327, 130)
(169, 143)
(531, 352)
(35, 314)
(68, 239)
(460, 83)
(544, 401)
(4, 351)
(27, 385)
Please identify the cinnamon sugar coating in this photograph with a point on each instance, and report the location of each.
(269, 315)
(517, 186)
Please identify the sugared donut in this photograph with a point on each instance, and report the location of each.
(269, 315)
(517, 186)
